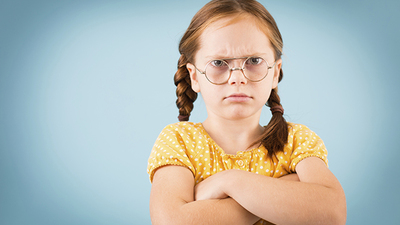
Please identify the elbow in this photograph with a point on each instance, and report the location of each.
(165, 215)
(337, 218)
(340, 215)
(333, 215)
(165, 221)
(167, 218)
(339, 210)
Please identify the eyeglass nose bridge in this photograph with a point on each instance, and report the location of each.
(236, 68)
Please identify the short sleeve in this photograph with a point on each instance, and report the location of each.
(169, 149)
(306, 143)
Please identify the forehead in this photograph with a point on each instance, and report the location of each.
(234, 37)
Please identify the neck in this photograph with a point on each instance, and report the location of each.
(233, 135)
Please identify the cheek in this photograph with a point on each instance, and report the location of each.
(266, 93)
(211, 94)
(208, 93)
(207, 88)
(264, 90)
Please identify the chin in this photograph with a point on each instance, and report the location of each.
(240, 115)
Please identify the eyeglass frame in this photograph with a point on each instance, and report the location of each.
(235, 68)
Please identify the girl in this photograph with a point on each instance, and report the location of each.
(230, 169)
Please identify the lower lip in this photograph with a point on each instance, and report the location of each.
(238, 99)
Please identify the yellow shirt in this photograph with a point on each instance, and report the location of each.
(188, 144)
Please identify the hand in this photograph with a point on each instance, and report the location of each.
(212, 187)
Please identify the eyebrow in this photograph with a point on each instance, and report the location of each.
(223, 57)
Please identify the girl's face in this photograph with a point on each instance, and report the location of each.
(239, 98)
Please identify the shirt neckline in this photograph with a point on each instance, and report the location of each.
(222, 152)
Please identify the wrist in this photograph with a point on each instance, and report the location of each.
(230, 180)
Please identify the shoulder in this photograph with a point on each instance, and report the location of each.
(300, 132)
(296, 127)
(182, 135)
(182, 128)
(303, 143)
(174, 147)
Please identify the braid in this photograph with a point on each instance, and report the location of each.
(276, 133)
(184, 92)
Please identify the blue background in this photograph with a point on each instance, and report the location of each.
(86, 87)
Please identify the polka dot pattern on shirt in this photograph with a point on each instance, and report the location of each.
(187, 144)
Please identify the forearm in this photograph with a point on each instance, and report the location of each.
(218, 211)
(285, 202)
(212, 211)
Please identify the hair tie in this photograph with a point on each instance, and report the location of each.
(183, 118)
(277, 108)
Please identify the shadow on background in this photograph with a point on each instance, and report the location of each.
(86, 87)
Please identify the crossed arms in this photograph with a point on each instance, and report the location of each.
(313, 196)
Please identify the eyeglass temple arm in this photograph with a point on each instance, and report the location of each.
(199, 70)
(270, 67)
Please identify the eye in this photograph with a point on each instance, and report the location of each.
(254, 60)
(218, 63)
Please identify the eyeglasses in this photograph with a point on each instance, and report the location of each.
(218, 71)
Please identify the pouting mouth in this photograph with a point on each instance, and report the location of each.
(238, 95)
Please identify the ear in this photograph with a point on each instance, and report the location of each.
(193, 77)
(277, 72)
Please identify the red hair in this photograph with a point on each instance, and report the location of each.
(276, 132)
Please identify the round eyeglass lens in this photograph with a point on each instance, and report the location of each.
(217, 71)
(255, 68)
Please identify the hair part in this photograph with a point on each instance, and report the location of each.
(276, 132)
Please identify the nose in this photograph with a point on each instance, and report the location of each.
(237, 76)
